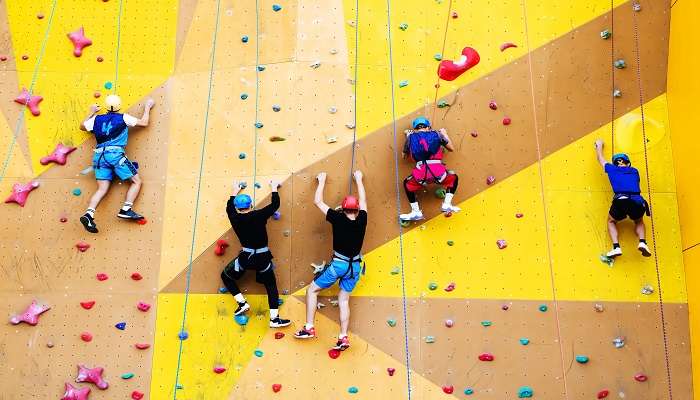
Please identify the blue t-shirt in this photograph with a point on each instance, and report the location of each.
(623, 179)
(111, 129)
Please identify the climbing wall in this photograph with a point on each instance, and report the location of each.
(507, 299)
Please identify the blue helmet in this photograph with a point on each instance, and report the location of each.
(621, 156)
(421, 121)
(242, 201)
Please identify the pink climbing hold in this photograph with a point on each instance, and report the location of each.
(502, 244)
(3, 57)
(136, 276)
(136, 395)
(391, 371)
(82, 246)
(91, 375)
(73, 393)
(79, 41)
(142, 346)
(486, 357)
(450, 287)
(493, 105)
(219, 369)
(490, 180)
(333, 353)
(87, 304)
(449, 70)
(59, 155)
(449, 323)
(641, 378)
(143, 306)
(31, 101)
(20, 192)
(474, 134)
(507, 45)
(505, 307)
(86, 336)
(507, 121)
(31, 314)
(221, 246)
(102, 277)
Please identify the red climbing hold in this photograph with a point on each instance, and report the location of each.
(91, 375)
(20, 192)
(507, 45)
(136, 395)
(143, 306)
(63, 219)
(603, 394)
(142, 346)
(82, 247)
(3, 58)
(87, 304)
(219, 369)
(73, 393)
(493, 105)
(276, 387)
(450, 287)
(448, 389)
(136, 276)
(86, 336)
(490, 180)
(279, 335)
(97, 95)
(486, 357)
(333, 353)
(59, 155)
(450, 70)
(221, 246)
(641, 378)
(102, 277)
(502, 244)
(142, 221)
(31, 101)
(474, 134)
(391, 371)
(454, 14)
(79, 41)
(31, 314)
(506, 121)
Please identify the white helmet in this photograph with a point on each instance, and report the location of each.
(113, 102)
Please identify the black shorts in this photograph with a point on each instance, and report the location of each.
(261, 264)
(623, 208)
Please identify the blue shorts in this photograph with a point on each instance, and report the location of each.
(338, 270)
(111, 162)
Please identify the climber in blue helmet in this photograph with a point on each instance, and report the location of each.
(627, 200)
(250, 226)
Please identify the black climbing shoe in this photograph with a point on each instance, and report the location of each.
(89, 223)
(129, 214)
(242, 307)
(279, 322)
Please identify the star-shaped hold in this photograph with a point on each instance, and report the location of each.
(79, 41)
(73, 393)
(31, 314)
(29, 100)
(318, 267)
(59, 155)
(92, 375)
(20, 192)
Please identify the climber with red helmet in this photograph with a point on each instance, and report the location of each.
(425, 146)
(349, 225)
(250, 226)
(111, 132)
(627, 200)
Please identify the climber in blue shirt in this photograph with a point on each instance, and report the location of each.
(627, 200)
(111, 132)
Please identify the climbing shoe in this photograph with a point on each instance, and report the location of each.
(644, 249)
(614, 252)
(279, 322)
(242, 307)
(342, 344)
(129, 214)
(306, 333)
(412, 216)
(89, 223)
(449, 208)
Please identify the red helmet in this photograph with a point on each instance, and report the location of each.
(350, 203)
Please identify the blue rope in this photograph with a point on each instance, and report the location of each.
(257, 99)
(35, 74)
(354, 94)
(398, 200)
(119, 39)
(199, 186)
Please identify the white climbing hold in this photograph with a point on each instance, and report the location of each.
(334, 51)
(647, 289)
(320, 306)
(332, 110)
(331, 139)
(315, 64)
(350, 125)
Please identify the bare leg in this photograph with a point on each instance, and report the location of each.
(311, 302)
(344, 305)
(134, 188)
(640, 229)
(102, 189)
(612, 229)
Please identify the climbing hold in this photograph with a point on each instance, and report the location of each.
(219, 369)
(351, 23)
(120, 325)
(332, 110)
(430, 339)
(582, 359)
(63, 219)
(619, 342)
(437, 57)
(244, 39)
(449, 70)
(641, 378)
(506, 121)
(276, 215)
(353, 390)
(25, 57)
(136, 276)
(333, 353)
(100, 59)
(258, 353)
(350, 125)
(606, 260)
(3, 57)
(127, 375)
(79, 41)
(333, 51)
(490, 180)
(221, 246)
(108, 85)
(49, 344)
(468, 391)
(598, 307)
(395, 271)
(277, 139)
(20, 192)
(73, 393)
(77, 192)
(31, 314)
(241, 320)
(91, 375)
(102, 277)
(405, 224)
(620, 64)
(279, 335)
(315, 65)
(97, 95)
(524, 341)
(617, 93)
(391, 322)
(82, 247)
(276, 7)
(241, 156)
(276, 387)
(450, 243)
(432, 286)
(29, 100)
(605, 34)
(390, 371)
(636, 7)
(474, 133)
(143, 306)
(318, 268)
(525, 392)
(183, 335)
(505, 307)
(86, 336)
(403, 26)
(261, 68)
(258, 125)
(486, 357)
(443, 104)
(542, 307)
(243, 184)
(448, 389)
(603, 394)
(223, 290)
(142, 346)
(486, 323)
(502, 244)
(244, 96)
(276, 108)
(518, 215)
(87, 304)
(403, 83)
(136, 395)
(647, 289)
(507, 45)
(450, 287)
(493, 105)
(454, 15)
(58, 156)
(449, 323)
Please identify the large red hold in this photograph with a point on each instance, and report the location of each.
(91, 375)
(73, 393)
(449, 70)
(20, 192)
(79, 41)
(59, 155)
(31, 101)
(31, 314)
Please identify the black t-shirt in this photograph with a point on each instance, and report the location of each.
(251, 227)
(348, 235)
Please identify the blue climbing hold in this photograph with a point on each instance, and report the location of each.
(276, 216)
(280, 301)
(276, 108)
(353, 389)
(524, 341)
(183, 335)
(244, 39)
(258, 125)
(108, 85)
(403, 83)
(437, 57)
(258, 353)
(261, 68)
(258, 185)
(223, 290)
(121, 326)
(543, 308)
(178, 386)
(468, 391)
(244, 96)
(77, 192)
(241, 156)
(525, 392)
(241, 320)
(581, 359)
(243, 185)
(276, 7)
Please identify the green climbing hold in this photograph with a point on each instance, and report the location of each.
(244, 96)
(525, 392)
(395, 270)
(581, 359)
(128, 375)
(620, 64)
(403, 83)
(437, 57)
(77, 192)
(606, 260)
(468, 391)
(430, 339)
(440, 193)
(258, 353)
(432, 286)
(450, 243)
(404, 224)
(403, 26)
(353, 389)
(524, 341)
(606, 34)
(543, 308)
(443, 104)
(486, 323)
(391, 322)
